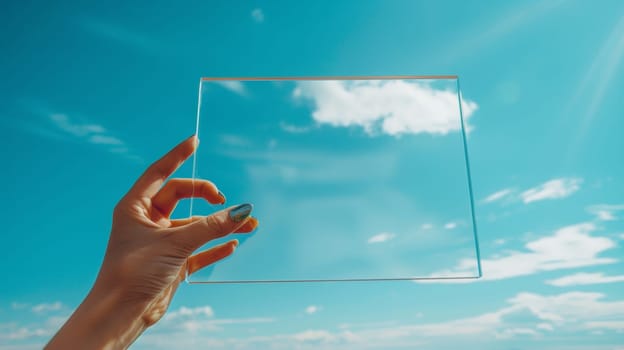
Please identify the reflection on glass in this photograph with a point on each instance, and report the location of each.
(352, 178)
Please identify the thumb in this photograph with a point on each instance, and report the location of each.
(213, 226)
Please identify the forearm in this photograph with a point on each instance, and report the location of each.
(100, 322)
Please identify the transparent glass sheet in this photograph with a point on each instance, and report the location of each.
(351, 178)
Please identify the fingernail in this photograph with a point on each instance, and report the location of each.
(235, 242)
(222, 197)
(240, 212)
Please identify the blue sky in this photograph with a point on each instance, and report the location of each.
(91, 94)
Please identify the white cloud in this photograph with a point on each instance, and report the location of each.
(381, 237)
(18, 306)
(582, 278)
(76, 129)
(257, 15)
(105, 140)
(393, 107)
(569, 247)
(605, 212)
(426, 226)
(45, 307)
(202, 318)
(234, 140)
(188, 312)
(91, 133)
(553, 189)
(312, 309)
(498, 195)
(294, 129)
(523, 316)
(450, 225)
(499, 241)
(236, 87)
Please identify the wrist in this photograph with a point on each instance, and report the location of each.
(103, 321)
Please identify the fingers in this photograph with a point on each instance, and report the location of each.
(211, 256)
(175, 189)
(219, 224)
(150, 182)
(248, 226)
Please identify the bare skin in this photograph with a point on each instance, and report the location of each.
(148, 255)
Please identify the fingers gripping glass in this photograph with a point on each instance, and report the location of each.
(352, 178)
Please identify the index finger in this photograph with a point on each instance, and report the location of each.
(153, 178)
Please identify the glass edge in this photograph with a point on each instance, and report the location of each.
(468, 172)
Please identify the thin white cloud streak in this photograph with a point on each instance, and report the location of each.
(450, 225)
(92, 133)
(568, 247)
(498, 195)
(553, 189)
(189, 312)
(381, 237)
(605, 212)
(583, 279)
(120, 34)
(75, 129)
(257, 15)
(105, 140)
(393, 107)
(236, 87)
(294, 129)
(46, 307)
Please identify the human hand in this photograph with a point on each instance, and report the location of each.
(149, 254)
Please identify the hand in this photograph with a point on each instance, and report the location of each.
(149, 254)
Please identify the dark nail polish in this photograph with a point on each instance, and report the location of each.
(240, 212)
(222, 197)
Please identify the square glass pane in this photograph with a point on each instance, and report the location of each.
(351, 178)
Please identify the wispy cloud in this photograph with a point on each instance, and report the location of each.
(450, 225)
(569, 247)
(236, 87)
(234, 140)
(582, 278)
(75, 129)
(257, 15)
(605, 212)
(121, 34)
(188, 312)
(524, 315)
(312, 309)
(498, 195)
(46, 307)
(393, 107)
(60, 127)
(202, 318)
(105, 140)
(381, 237)
(92, 133)
(294, 129)
(553, 189)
